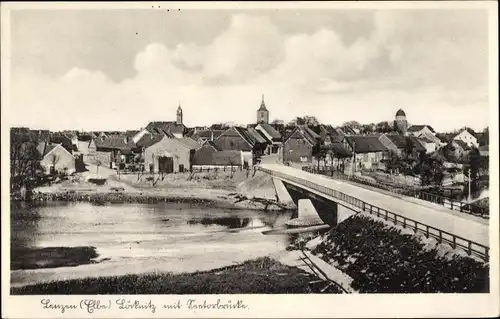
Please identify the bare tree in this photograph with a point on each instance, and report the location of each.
(54, 159)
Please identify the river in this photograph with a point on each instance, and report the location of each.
(143, 238)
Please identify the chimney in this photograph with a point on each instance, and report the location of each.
(212, 137)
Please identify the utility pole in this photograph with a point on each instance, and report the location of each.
(353, 158)
(470, 179)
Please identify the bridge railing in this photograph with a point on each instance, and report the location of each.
(470, 247)
(450, 203)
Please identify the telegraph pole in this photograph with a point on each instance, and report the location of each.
(353, 158)
(470, 179)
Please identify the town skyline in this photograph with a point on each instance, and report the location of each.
(338, 66)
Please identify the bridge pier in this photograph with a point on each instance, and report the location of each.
(326, 210)
(283, 195)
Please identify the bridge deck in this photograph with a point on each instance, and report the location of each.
(447, 221)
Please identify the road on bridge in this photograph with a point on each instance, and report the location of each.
(436, 217)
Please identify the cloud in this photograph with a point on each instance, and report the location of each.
(410, 61)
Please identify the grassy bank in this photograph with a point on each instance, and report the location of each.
(51, 257)
(263, 275)
(382, 259)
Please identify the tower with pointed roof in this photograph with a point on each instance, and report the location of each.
(401, 124)
(262, 113)
(179, 114)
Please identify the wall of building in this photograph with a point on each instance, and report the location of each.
(61, 159)
(168, 147)
(297, 149)
(105, 158)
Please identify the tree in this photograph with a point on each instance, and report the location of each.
(431, 171)
(305, 120)
(24, 160)
(353, 124)
(367, 128)
(54, 159)
(382, 127)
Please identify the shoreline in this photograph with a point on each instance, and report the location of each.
(215, 198)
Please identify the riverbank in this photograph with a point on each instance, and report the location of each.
(263, 275)
(241, 190)
(381, 258)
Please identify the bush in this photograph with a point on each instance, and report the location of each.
(381, 259)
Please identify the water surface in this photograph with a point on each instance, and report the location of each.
(138, 238)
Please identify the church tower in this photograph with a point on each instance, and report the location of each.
(262, 113)
(401, 124)
(179, 114)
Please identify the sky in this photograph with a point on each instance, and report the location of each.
(121, 69)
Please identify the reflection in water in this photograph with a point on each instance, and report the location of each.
(135, 238)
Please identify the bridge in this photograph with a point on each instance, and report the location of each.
(330, 196)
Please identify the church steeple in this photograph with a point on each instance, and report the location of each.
(179, 114)
(262, 112)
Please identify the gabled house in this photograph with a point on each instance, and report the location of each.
(168, 155)
(242, 139)
(467, 136)
(367, 150)
(271, 135)
(55, 158)
(173, 128)
(300, 145)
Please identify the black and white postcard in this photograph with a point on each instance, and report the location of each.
(250, 159)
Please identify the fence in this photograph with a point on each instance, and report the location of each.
(450, 203)
(472, 248)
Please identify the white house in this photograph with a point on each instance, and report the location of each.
(56, 158)
(169, 155)
(467, 137)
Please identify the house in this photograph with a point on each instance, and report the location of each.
(209, 156)
(402, 145)
(367, 150)
(247, 140)
(300, 145)
(168, 155)
(56, 158)
(271, 135)
(467, 135)
(429, 145)
(114, 150)
(418, 130)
